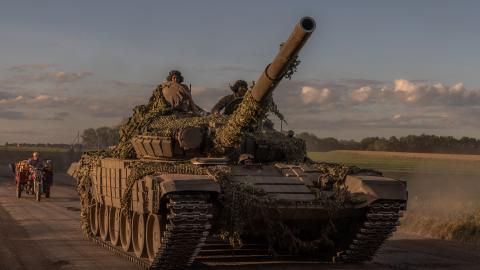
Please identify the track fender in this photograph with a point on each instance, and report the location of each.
(372, 188)
(188, 182)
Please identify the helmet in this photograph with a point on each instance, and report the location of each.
(177, 73)
(238, 85)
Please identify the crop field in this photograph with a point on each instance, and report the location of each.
(405, 164)
(444, 190)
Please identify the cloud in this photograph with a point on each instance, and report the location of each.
(30, 67)
(38, 73)
(130, 85)
(41, 98)
(15, 100)
(6, 95)
(379, 107)
(313, 95)
(398, 93)
(21, 132)
(361, 94)
(99, 109)
(236, 69)
(66, 77)
(436, 94)
(198, 89)
(58, 116)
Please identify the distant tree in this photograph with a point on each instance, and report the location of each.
(89, 138)
(101, 138)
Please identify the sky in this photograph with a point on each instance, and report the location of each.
(372, 68)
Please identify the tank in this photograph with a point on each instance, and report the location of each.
(184, 187)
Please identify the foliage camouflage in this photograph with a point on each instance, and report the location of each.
(86, 164)
(247, 117)
(140, 121)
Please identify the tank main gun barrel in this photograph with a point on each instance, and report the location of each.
(273, 72)
(252, 109)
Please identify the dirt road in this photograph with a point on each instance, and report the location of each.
(46, 235)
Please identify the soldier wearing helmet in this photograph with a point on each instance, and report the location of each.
(176, 94)
(239, 89)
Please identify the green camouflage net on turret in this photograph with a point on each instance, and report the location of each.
(281, 147)
(142, 118)
(167, 125)
(247, 117)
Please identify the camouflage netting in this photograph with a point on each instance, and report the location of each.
(281, 147)
(333, 174)
(169, 124)
(247, 117)
(142, 118)
(86, 164)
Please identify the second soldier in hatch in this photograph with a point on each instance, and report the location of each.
(239, 89)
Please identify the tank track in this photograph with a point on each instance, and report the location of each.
(186, 230)
(381, 220)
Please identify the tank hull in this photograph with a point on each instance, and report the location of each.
(162, 201)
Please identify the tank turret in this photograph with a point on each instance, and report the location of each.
(184, 136)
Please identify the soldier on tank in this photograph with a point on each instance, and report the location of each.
(176, 94)
(239, 89)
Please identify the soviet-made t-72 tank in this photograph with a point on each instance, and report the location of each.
(183, 187)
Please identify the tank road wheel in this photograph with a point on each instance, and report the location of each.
(114, 226)
(138, 235)
(155, 229)
(93, 217)
(125, 231)
(103, 222)
(19, 190)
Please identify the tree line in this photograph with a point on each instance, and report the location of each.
(104, 137)
(100, 138)
(46, 145)
(411, 143)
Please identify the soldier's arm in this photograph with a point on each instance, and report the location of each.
(220, 104)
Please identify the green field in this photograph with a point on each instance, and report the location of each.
(395, 165)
